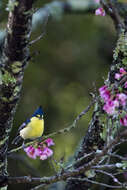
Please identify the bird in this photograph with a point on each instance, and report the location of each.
(32, 128)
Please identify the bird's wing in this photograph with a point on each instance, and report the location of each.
(23, 125)
(18, 137)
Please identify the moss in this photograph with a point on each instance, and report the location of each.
(16, 90)
(7, 78)
(124, 61)
(15, 93)
(4, 140)
(16, 67)
(121, 45)
(11, 5)
(4, 99)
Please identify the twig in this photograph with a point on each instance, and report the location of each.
(79, 160)
(97, 183)
(105, 166)
(43, 32)
(110, 175)
(112, 11)
(118, 156)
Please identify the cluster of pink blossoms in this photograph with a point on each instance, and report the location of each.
(100, 11)
(115, 102)
(42, 150)
(120, 74)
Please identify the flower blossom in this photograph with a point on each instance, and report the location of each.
(42, 150)
(115, 100)
(100, 11)
(111, 103)
(47, 152)
(49, 142)
(110, 106)
(123, 98)
(122, 71)
(104, 93)
(125, 84)
(119, 75)
(123, 120)
(31, 152)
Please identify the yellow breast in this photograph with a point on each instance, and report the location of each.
(34, 129)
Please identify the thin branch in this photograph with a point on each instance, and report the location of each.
(105, 166)
(113, 12)
(79, 160)
(43, 32)
(118, 156)
(110, 175)
(97, 183)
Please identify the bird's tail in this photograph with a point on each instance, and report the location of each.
(16, 140)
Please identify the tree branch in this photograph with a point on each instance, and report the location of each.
(13, 60)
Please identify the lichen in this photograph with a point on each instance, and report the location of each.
(7, 78)
(124, 61)
(16, 90)
(11, 5)
(16, 67)
(4, 140)
(4, 99)
(121, 45)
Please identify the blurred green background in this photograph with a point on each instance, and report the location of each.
(75, 53)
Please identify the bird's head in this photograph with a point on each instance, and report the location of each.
(38, 113)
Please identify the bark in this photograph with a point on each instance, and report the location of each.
(13, 61)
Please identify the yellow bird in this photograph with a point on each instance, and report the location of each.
(32, 128)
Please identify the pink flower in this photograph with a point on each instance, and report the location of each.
(122, 71)
(39, 151)
(43, 157)
(31, 152)
(117, 76)
(123, 121)
(122, 97)
(48, 151)
(49, 142)
(125, 85)
(104, 93)
(110, 106)
(100, 11)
